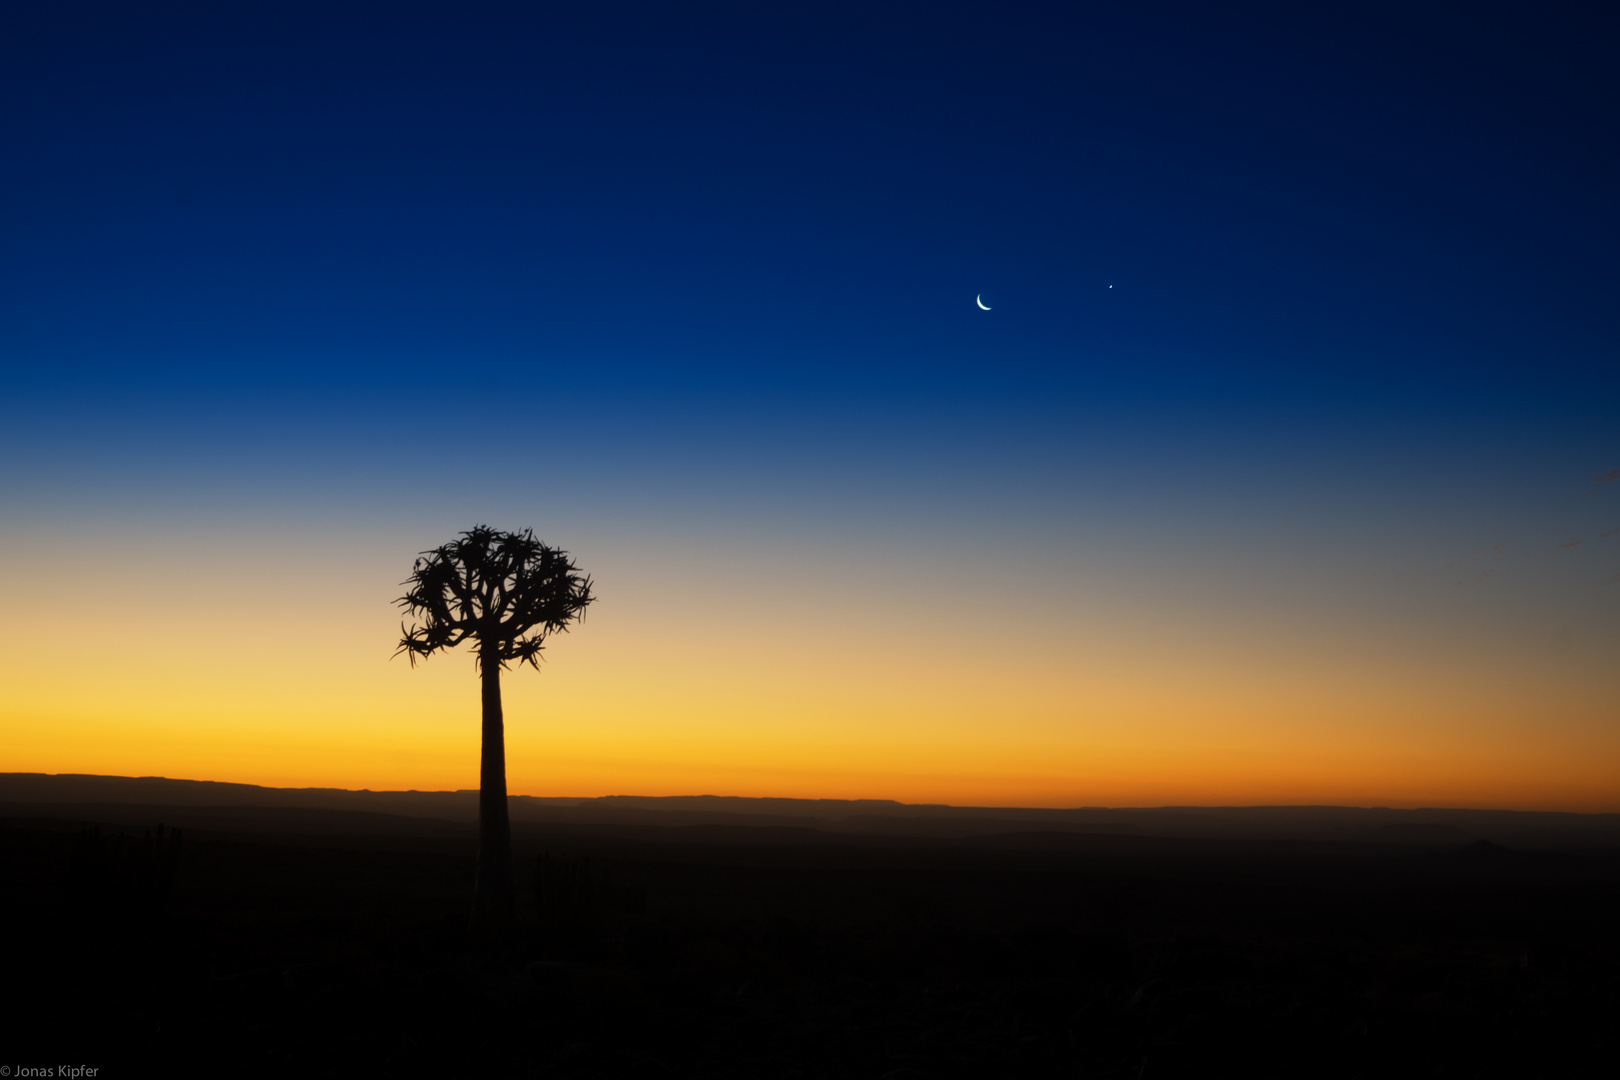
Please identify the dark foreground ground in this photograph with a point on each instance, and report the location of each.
(708, 951)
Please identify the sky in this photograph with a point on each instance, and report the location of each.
(1284, 466)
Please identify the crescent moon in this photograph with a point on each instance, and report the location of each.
(980, 301)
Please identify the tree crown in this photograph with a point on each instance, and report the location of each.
(506, 591)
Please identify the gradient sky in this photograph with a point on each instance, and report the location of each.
(1281, 470)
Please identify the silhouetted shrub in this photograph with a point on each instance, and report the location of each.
(572, 900)
(122, 878)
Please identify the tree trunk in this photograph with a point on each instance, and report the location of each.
(494, 913)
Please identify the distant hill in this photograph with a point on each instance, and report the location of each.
(255, 808)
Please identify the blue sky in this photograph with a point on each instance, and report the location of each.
(1295, 314)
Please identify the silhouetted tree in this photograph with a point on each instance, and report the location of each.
(506, 593)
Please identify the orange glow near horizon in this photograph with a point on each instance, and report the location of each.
(776, 691)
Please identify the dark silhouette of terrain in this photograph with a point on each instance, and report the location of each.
(365, 811)
(284, 932)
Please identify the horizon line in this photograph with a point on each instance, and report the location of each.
(798, 799)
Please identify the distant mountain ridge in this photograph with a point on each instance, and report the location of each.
(43, 794)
